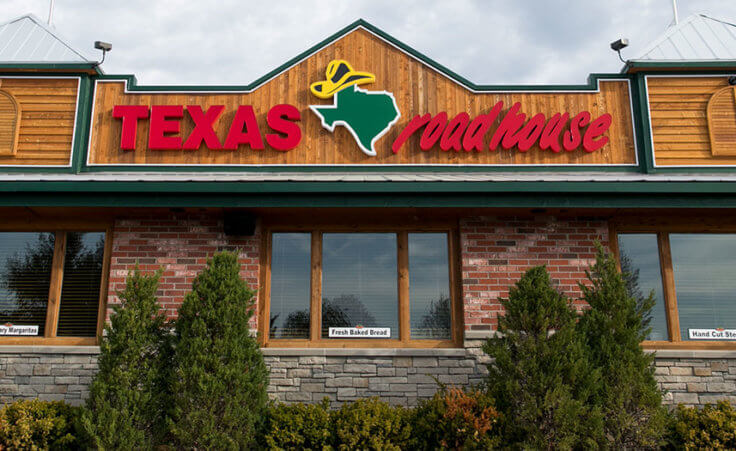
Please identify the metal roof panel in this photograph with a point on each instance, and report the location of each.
(697, 38)
(26, 39)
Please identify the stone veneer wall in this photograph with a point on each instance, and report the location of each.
(401, 377)
(403, 380)
(49, 373)
(697, 381)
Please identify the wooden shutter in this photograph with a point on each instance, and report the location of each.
(9, 118)
(722, 122)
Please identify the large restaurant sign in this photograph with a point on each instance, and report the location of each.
(361, 101)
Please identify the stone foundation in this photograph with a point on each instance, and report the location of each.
(399, 376)
(47, 372)
(696, 381)
(403, 379)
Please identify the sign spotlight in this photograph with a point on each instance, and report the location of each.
(619, 45)
(105, 47)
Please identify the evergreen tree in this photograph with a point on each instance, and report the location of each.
(126, 407)
(540, 378)
(613, 329)
(219, 378)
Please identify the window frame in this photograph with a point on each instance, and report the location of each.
(315, 339)
(60, 230)
(662, 228)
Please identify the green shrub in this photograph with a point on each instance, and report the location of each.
(613, 328)
(712, 427)
(219, 378)
(35, 424)
(127, 403)
(299, 426)
(455, 419)
(540, 378)
(371, 424)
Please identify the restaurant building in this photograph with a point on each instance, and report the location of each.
(380, 204)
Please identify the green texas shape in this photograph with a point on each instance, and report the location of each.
(368, 115)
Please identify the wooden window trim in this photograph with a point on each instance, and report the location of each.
(662, 228)
(404, 340)
(60, 229)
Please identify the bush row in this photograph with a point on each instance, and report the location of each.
(452, 419)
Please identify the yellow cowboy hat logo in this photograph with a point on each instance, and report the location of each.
(340, 75)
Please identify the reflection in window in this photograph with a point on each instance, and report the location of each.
(80, 289)
(359, 281)
(429, 286)
(705, 280)
(641, 267)
(25, 276)
(290, 285)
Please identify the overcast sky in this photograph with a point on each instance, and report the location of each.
(237, 41)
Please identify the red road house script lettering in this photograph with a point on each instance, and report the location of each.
(462, 133)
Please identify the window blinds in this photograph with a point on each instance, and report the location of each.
(80, 290)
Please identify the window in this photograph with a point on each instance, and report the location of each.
(705, 282)
(52, 286)
(335, 288)
(693, 278)
(639, 256)
(359, 283)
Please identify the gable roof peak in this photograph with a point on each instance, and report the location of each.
(27, 39)
(697, 38)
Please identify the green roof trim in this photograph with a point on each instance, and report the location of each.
(53, 67)
(367, 200)
(641, 65)
(84, 111)
(349, 188)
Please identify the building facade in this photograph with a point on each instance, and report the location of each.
(380, 205)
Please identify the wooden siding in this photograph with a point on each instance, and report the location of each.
(418, 89)
(685, 129)
(46, 127)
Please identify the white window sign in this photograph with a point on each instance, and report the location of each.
(712, 334)
(360, 332)
(10, 329)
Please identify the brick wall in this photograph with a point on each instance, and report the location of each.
(497, 250)
(180, 244)
(495, 253)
